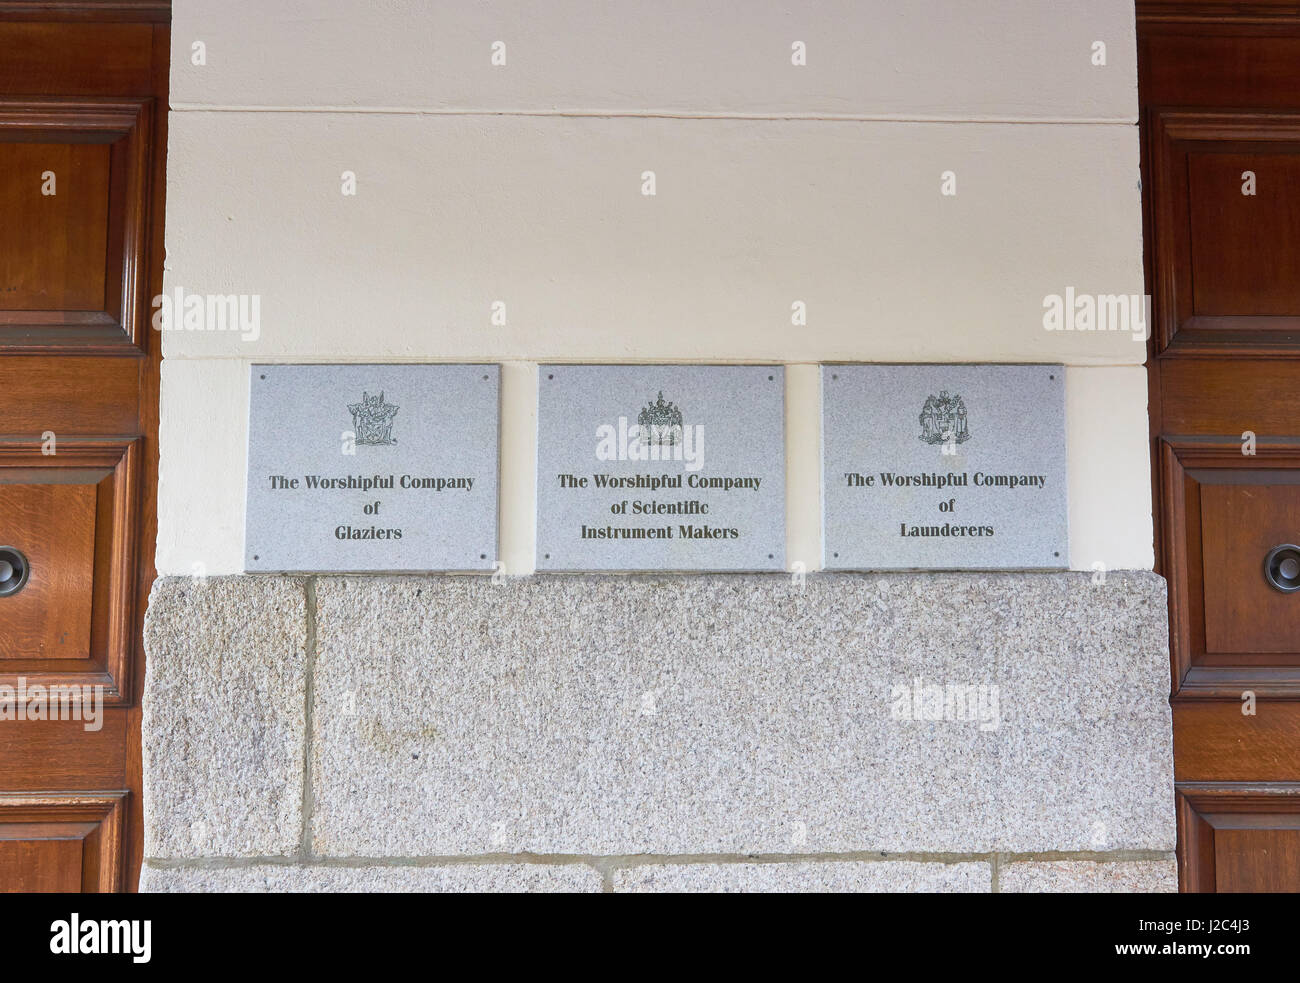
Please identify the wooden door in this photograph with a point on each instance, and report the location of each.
(1220, 115)
(83, 115)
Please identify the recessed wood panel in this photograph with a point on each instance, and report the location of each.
(37, 859)
(1230, 396)
(1216, 63)
(54, 237)
(53, 525)
(1216, 741)
(43, 754)
(1239, 836)
(1257, 860)
(75, 59)
(71, 262)
(1245, 247)
(1222, 263)
(1240, 523)
(1230, 631)
(69, 395)
(61, 841)
(87, 488)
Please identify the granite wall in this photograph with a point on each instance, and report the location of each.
(674, 733)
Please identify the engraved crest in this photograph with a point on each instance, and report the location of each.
(660, 422)
(372, 419)
(943, 419)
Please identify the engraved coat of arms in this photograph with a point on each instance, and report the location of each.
(660, 422)
(943, 419)
(372, 419)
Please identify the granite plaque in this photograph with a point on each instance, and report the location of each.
(372, 468)
(945, 467)
(661, 467)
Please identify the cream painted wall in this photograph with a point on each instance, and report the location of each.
(950, 59)
(522, 184)
(453, 213)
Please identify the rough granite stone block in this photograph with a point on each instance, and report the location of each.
(1057, 794)
(1087, 876)
(740, 714)
(224, 720)
(438, 879)
(806, 878)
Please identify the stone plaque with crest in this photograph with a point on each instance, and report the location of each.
(372, 468)
(661, 467)
(947, 467)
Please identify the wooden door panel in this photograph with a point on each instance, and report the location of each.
(1219, 91)
(73, 520)
(53, 527)
(1222, 512)
(1223, 262)
(41, 858)
(67, 842)
(53, 246)
(1214, 740)
(54, 57)
(1202, 396)
(1240, 525)
(1244, 246)
(1240, 837)
(73, 262)
(1219, 62)
(1257, 859)
(83, 97)
(70, 395)
(63, 754)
